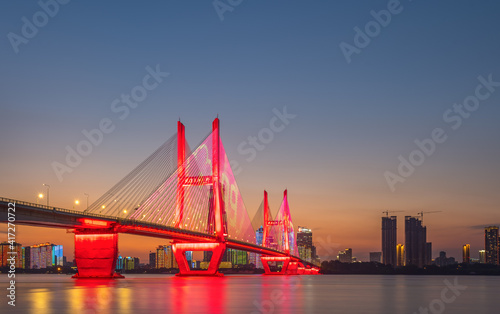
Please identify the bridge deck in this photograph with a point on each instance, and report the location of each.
(56, 217)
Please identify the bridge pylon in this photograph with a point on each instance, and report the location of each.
(217, 247)
(291, 265)
(96, 251)
(288, 266)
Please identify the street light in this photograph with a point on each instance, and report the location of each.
(48, 188)
(87, 199)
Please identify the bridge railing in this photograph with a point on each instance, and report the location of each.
(122, 221)
(52, 208)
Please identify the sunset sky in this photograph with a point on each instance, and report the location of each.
(351, 120)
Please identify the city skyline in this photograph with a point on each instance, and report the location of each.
(306, 248)
(333, 153)
(235, 156)
(475, 253)
(125, 250)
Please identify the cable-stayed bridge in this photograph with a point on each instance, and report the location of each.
(190, 197)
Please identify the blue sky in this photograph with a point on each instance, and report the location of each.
(352, 121)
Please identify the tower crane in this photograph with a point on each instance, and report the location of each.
(391, 211)
(421, 214)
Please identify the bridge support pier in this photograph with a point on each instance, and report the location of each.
(267, 259)
(96, 253)
(217, 250)
(289, 267)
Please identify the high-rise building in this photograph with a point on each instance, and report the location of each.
(45, 255)
(482, 256)
(161, 257)
(235, 257)
(415, 242)
(442, 260)
(26, 257)
(171, 262)
(35, 257)
(239, 257)
(259, 236)
(6, 248)
(304, 244)
(254, 258)
(466, 253)
(491, 245)
(227, 256)
(389, 240)
(345, 256)
(57, 255)
(130, 263)
(428, 253)
(119, 263)
(189, 255)
(376, 257)
(314, 256)
(152, 260)
(207, 256)
(400, 249)
(165, 257)
(44, 252)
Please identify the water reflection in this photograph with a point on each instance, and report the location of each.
(281, 293)
(177, 294)
(98, 296)
(196, 293)
(41, 299)
(40, 294)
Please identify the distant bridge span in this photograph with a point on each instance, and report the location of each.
(192, 199)
(54, 217)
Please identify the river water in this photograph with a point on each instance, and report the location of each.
(40, 294)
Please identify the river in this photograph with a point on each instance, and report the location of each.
(40, 294)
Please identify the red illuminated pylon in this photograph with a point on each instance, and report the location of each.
(181, 157)
(267, 259)
(95, 253)
(291, 264)
(266, 219)
(286, 223)
(217, 248)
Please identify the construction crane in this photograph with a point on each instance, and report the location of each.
(391, 211)
(421, 214)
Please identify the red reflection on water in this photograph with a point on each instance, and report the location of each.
(95, 295)
(169, 294)
(206, 294)
(280, 293)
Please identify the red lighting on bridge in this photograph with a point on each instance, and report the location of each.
(94, 223)
(177, 210)
(95, 254)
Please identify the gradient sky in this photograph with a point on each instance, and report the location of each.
(352, 120)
